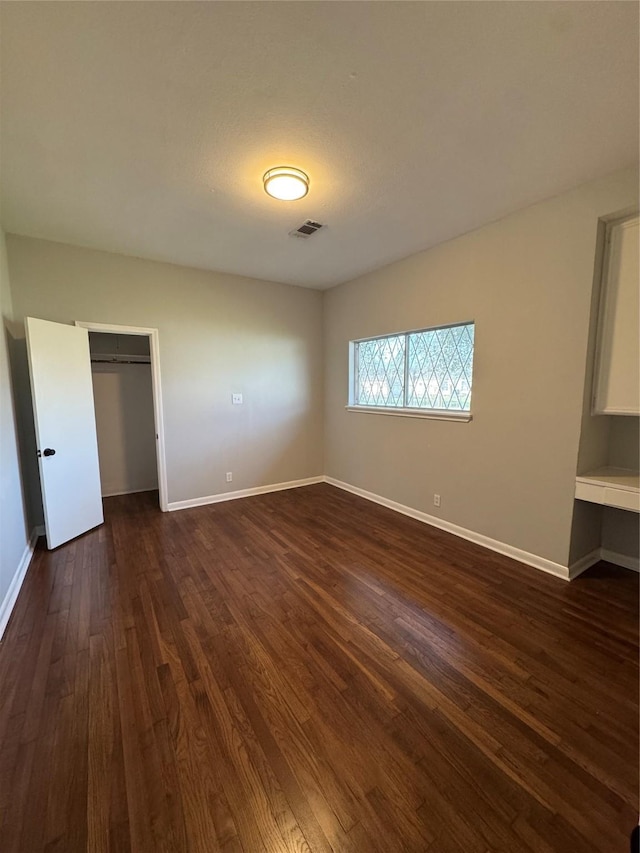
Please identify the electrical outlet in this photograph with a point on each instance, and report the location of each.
(229, 476)
(236, 399)
(436, 500)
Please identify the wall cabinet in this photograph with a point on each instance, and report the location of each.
(617, 374)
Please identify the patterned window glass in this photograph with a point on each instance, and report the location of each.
(430, 369)
(380, 372)
(440, 365)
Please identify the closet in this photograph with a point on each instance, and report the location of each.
(123, 398)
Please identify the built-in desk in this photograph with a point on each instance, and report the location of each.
(616, 487)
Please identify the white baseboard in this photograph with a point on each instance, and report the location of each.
(6, 608)
(584, 563)
(622, 560)
(557, 569)
(242, 493)
(470, 535)
(129, 492)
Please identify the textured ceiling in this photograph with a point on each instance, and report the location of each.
(145, 128)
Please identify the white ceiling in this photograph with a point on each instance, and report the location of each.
(145, 128)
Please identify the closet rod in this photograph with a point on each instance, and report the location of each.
(119, 361)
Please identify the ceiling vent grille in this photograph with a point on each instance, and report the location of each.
(307, 228)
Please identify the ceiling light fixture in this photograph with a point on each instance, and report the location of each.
(286, 183)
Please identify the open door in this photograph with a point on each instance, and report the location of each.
(62, 392)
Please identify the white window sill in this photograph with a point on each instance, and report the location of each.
(432, 414)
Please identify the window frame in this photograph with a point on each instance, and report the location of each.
(463, 416)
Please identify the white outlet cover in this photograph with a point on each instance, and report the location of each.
(236, 399)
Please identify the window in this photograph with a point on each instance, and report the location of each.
(429, 371)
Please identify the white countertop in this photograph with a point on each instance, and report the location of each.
(617, 487)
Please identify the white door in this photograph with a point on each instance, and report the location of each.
(62, 392)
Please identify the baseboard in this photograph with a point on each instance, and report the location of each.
(584, 563)
(242, 493)
(623, 560)
(557, 569)
(470, 535)
(6, 608)
(129, 492)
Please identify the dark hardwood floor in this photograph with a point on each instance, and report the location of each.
(306, 671)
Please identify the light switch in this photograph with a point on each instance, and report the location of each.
(236, 399)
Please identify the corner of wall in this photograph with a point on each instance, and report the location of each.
(16, 546)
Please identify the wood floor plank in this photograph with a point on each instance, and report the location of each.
(306, 672)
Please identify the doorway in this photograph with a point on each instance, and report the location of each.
(128, 403)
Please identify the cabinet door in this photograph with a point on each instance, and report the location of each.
(617, 389)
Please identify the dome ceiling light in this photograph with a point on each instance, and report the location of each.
(286, 183)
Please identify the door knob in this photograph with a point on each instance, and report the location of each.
(48, 451)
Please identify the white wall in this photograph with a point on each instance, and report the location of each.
(218, 334)
(123, 400)
(527, 282)
(14, 535)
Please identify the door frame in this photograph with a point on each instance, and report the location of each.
(154, 348)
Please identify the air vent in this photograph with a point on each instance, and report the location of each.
(307, 228)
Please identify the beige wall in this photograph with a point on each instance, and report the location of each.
(624, 442)
(620, 529)
(14, 534)
(593, 443)
(620, 532)
(124, 423)
(527, 282)
(219, 334)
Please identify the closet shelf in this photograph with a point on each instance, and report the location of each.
(617, 487)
